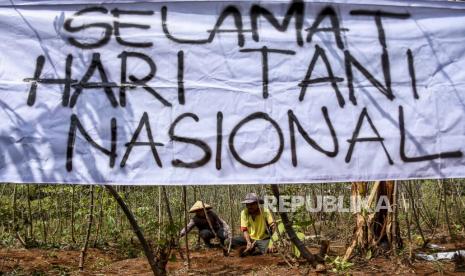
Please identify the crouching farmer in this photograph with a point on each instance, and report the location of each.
(257, 226)
(218, 228)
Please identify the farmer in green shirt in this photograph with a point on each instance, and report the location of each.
(257, 226)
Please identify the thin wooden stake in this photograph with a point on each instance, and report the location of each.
(72, 215)
(225, 250)
(184, 199)
(29, 211)
(82, 256)
(231, 216)
(160, 213)
(407, 221)
(395, 240)
(415, 215)
(100, 218)
(42, 215)
(446, 210)
(280, 239)
(15, 223)
(170, 219)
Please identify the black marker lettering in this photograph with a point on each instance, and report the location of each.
(164, 23)
(356, 139)
(219, 139)
(236, 14)
(319, 52)
(67, 81)
(411, 71)
(251, 117)
(350, 62)
(296, 10)
(335, 26)
(293, 121)
(107, 29)
(405, 158)
(144, 122)
(199, 143)
(228, 11)
(264, 51)
(384, 56)
(118, 25)
(76, 125)
(181, 96)
(138, 82)
(378, 14)
(96, 64)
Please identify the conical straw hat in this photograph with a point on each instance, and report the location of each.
(198, 206)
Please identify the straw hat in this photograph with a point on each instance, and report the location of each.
(198, 206)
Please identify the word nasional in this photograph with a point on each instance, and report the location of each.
(116, 92)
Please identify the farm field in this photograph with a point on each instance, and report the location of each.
(43, 229)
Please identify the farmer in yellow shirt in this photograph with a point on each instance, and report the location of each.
(257, 226)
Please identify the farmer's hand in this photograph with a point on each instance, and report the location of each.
(249, 245)
(271, 249)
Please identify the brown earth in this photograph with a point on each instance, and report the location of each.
(203, 262)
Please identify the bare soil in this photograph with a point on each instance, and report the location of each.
(203, 262)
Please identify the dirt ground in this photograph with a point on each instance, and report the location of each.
(203, 262)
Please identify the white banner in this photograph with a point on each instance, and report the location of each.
(217, 92)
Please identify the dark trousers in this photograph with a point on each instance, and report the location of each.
(207, 235)
(262, 245)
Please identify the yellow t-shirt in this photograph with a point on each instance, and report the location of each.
(256, 227)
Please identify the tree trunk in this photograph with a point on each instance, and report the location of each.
(168, 207)
(158, 268)
(160, 213)
(312, 259)
(375, 227)
(385, 229)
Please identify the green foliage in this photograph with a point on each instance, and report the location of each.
(173, 258)
(439, 267)
(55, 216)
(129, 249)
(301, 218)
(339, 264)
(6, 240)
(369, 254)
(282, 233)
